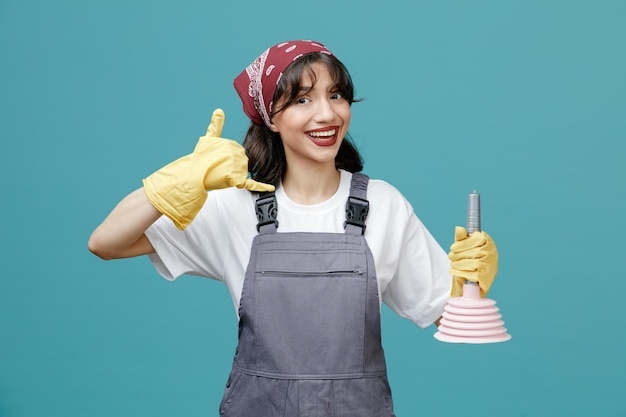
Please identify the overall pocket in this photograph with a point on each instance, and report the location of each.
(311, 324)
(363, 397)
(254, 396)
(232, 385)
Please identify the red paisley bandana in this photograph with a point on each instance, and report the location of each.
(256, 84)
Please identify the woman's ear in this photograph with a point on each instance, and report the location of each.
(273, 127)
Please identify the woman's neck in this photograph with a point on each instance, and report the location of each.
(311, 186)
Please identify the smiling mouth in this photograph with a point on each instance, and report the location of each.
(326, 134)
(323, 137)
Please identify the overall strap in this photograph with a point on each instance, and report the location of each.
(357, 208)
(266, 213)
(357, 205)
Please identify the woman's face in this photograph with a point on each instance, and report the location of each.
(313, 127)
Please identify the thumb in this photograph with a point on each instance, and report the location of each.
(459, 233)
(217, 123)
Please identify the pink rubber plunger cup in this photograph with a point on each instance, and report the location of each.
(470, 318)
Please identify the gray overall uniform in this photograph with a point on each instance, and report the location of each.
(309, 327)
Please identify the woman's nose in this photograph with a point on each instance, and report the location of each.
(324, 110)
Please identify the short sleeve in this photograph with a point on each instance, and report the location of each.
(421, 286)
(412, 268)
(206, 246)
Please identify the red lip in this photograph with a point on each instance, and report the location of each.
(324, 140)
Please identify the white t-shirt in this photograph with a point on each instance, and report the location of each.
(411, 267)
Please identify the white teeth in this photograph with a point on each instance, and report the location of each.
(326, 134)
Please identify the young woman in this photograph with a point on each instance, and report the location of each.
(307, 245)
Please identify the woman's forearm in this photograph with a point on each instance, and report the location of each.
(121, 234)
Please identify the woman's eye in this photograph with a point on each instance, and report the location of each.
(336, 96)
(302, 100)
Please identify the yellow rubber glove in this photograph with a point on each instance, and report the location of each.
(474, 258)
(179, 189)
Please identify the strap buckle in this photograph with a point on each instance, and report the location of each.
(356, 212)
(266, 211)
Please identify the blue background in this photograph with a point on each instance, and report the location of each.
(523, 101)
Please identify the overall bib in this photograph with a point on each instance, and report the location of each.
(309, 327)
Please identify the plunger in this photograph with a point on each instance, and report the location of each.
(470, 318)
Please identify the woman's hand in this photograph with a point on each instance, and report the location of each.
(474, 258)
(178, 190)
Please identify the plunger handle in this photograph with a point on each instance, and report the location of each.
(473, 213)
(473, 219)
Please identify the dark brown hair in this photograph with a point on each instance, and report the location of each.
(266, 155)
